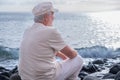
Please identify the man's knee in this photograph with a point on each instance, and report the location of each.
(80, 60)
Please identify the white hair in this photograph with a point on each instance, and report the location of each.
(40, 18)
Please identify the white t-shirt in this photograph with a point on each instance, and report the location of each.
(37, 52)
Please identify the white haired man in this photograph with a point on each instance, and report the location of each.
(41, 44)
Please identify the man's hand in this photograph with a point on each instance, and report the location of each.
(69, 52)
(61, 55)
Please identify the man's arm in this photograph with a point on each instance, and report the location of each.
(61, 55)
(69, 52)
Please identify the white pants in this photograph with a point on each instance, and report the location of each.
(69, 69)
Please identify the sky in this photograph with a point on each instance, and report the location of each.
(61, 5)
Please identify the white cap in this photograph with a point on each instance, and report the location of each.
(43, 8)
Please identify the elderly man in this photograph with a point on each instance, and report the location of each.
(41, 44)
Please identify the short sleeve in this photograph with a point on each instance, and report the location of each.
(56, 41)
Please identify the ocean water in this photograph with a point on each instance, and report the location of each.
(93, 35)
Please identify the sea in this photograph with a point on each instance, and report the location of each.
(92, 34)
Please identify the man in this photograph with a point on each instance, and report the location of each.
(41, 44)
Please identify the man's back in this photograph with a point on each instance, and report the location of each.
(41, 44)
(36, 56)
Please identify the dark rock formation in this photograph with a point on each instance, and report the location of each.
(117, 77)
(109, 76)
(6, 74)
(115, 69)
(91, 78)
(98, 61)
(90, 68)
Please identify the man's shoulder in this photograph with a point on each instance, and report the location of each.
(51, 29)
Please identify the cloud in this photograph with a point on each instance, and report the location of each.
(62, 5)
(90, 5)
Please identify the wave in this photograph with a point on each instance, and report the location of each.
(98, 52)
(87, 52)
(8, 53)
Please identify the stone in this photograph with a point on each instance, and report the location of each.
(117, 77)
(82, 74)
(5, 74)
(98, 61)
(14, 70)
(115, 69)
(2, 69)
(109, 76)
(15, 76)
(2, 77)
(90, 68)
(91, 78)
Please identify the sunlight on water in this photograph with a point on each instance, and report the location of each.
(110, 32)
(112, 17)
(79, 29)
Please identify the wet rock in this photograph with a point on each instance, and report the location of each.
(117, 77)
(2, 77)
(90, 68)
(98, 61)
(105, 60)
(2, 69)
(6, 74)
(109, 76)
(15, 76)
(14, 70)
(115, 69)
(82, 74)
(91, 78)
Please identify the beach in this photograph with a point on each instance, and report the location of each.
(96, 65)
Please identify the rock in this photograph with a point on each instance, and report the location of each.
(90, 68)
(5, 74)
(15, 76)
(2, 77)
(107, 79)
(115, 69)
(98, 61)
(91, 78)
(117, 77)
(82, 74)
(107, 65)
(14, 70)
(105, 60)
(2, 69)
(109, 76)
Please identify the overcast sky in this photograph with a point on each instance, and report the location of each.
(62, 5)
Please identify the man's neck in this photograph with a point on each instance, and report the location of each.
(46, 24)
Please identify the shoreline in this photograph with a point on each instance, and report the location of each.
(98, 68)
